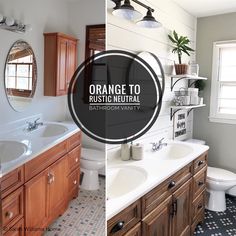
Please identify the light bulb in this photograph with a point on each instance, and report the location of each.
(10, 21)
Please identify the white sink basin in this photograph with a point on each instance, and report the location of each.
(11, 150)
(174, 151)
(123, 180)
(49, 130)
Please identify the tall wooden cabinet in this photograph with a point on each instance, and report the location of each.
(60, 62)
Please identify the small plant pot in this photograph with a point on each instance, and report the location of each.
(181, 69)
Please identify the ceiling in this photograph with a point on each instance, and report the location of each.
(200, 8)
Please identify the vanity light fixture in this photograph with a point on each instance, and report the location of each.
(9, 23)
(127, 11)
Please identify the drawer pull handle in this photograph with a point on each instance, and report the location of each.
(75, 182)
(199, 206)
(171, 184)
(119, 226)
(9, 214)
(200, 163)
(77, 159)
(200, 183)
(51, 178)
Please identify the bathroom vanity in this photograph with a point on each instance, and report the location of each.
(38, 191)
(168, 203)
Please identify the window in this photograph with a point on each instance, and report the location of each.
(223, 85)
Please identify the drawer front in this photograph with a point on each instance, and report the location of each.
(12, 208)
(124, 221)
(74, 158)
(74, 141)
(73, 184)
(200, 162)
(198, 205)
(135, 231)
(199, 219)
(199, 182)
(16, 230)
(12, 181)
(156, 196)
(44, 160)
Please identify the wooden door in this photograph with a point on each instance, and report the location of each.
(181, 210)
(157, 222)
(58, 188)
(36, 208)
(71, 60)
(61, 67)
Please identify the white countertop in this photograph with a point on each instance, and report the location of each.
(36, 145)
(158, 169)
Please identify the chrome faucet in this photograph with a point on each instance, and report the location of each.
(33, 125)
(157, 146)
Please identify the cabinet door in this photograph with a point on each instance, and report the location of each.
(181, 210)
(61, 67)
(71, 60)
(157, 222)
(58, 188)
(36, 197)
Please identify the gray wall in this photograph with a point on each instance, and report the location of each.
(220, 137)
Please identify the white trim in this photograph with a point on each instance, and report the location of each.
(215, 116)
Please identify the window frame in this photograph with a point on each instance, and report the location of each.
(216, 116)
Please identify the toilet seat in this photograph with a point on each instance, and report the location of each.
(92, 155)
(220, 175)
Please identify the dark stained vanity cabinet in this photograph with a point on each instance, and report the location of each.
(173, 208)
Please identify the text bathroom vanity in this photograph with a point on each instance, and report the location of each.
(173, 207)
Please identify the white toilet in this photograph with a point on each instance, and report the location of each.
(218, 182)
(91, 161)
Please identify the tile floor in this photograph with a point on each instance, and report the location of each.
(84, 217)
(219, 223)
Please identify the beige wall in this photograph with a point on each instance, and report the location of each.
(220, 137)
(125, 35)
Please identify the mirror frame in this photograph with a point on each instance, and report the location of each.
(34, 82)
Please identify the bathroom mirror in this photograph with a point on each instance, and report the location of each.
(20, 75)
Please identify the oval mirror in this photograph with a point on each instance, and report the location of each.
(20, 75)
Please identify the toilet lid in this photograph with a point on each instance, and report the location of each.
(92, 154)
(220, 175)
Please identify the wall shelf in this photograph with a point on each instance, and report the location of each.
(174, 109)
(185, 76)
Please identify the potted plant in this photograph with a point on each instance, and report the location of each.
(180, 46)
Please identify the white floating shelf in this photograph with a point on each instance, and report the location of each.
(187, 76)
(187, 107)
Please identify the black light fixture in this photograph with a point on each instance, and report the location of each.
(149, 21)
(127, 11)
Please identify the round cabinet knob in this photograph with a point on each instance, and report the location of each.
(75, 182)
(77, 159)
(200, 163)
(199, 206)
(118, 226)
(171, 184)
(9, 214)
(200, 183)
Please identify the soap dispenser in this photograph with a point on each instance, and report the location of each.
(125, 151)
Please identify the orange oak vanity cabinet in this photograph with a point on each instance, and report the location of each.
(173, 208)
(36, 193)
(60, 62)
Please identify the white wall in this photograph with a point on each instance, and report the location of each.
(220, 137)
(125, 35)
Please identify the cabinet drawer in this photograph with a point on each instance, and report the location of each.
(74, 158)
(73, 184)
(74, 141)
(125, 220)
(135, 231)
(199, 182)
(200, 162)
(12, 208)
(199, 220)
(41, 162)
(198, 205)
(16, 230)
(12, 181)
(156, 196)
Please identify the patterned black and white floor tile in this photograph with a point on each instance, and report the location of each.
(219, 223)
(85, 215)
